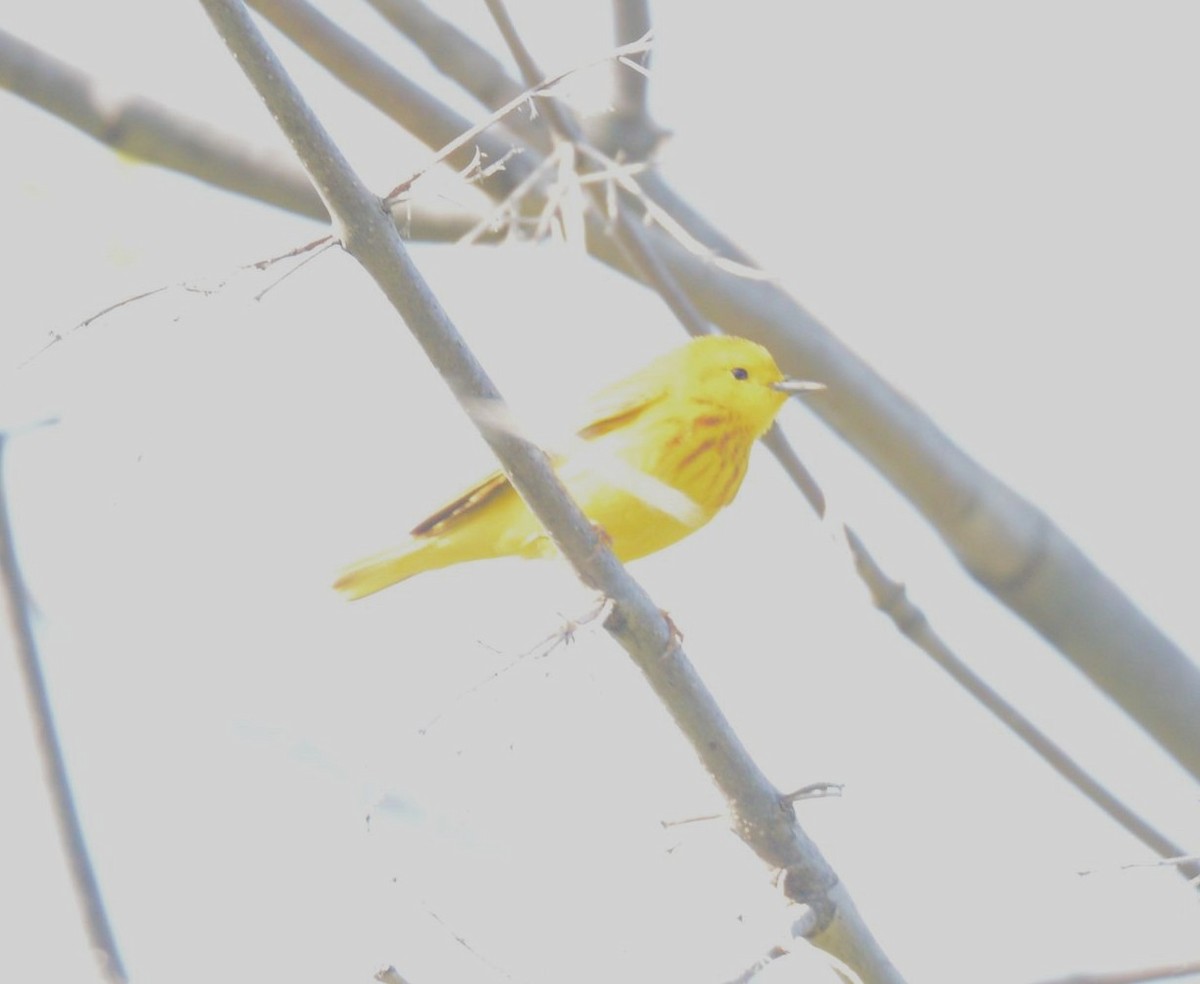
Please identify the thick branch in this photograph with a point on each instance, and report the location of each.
(144, 129)
(159, 135)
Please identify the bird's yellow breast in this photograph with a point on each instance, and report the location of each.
(650, 485)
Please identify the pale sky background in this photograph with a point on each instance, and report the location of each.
(995, 204)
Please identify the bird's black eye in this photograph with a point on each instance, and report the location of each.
(740, 373)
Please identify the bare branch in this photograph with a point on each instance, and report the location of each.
(151, 132)
(459, 58)
(466, 945)
(891, 599)
(468, 137)
(1143, 976)
(508, 211)
(428, 119)
(162, 136)
(70, 830)
(631, 20)
(626, 177)
(632, 135)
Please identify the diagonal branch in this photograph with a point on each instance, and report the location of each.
(892, 600)
(392, 92)
(1143, 975)
(156, 134)
(635, 621)
(70, 830)
(147, 130)
(457, 57)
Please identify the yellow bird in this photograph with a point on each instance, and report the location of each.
(662, 452)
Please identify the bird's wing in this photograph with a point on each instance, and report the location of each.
(621, 404)
(609, 410)
(467, 504)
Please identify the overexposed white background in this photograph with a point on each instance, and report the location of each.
(995, 205)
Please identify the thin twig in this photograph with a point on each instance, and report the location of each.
(70, 829)
(814, 790)
(313, 249)
(891, 599)
(667, 222)
(59, 336)
(308, 252)
(541, 88)
(508, 208)
(466, 944)
(562, 636)
(1164, 862)
(1143, 976)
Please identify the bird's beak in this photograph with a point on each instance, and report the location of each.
(797, 386)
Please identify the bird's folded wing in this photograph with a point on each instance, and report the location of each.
(609, 410)
(621, 404)
(455, 511)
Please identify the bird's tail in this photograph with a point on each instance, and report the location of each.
(382, 570)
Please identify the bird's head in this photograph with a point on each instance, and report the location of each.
(738, 375)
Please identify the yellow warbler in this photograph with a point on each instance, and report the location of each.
(661, 453)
